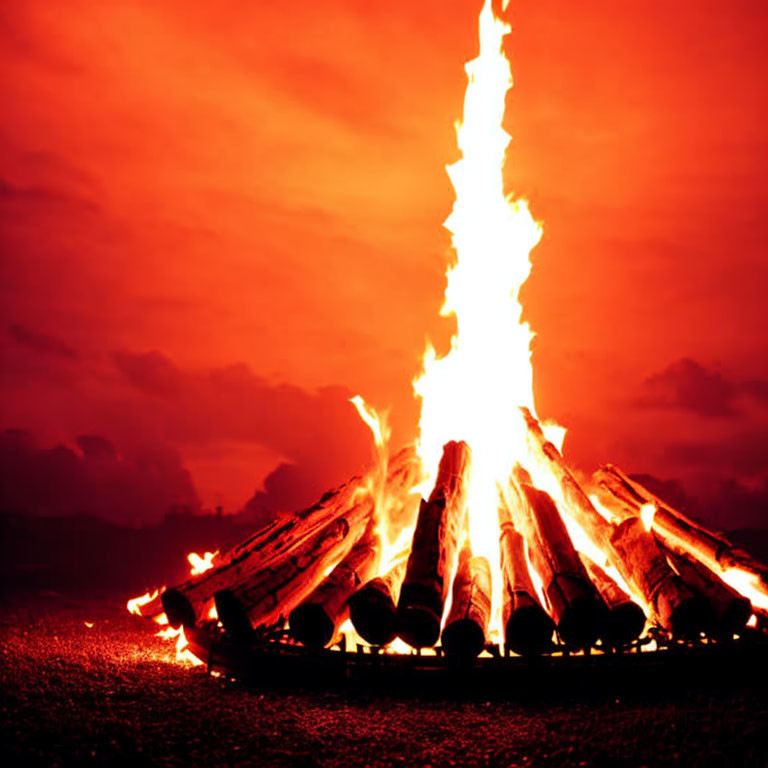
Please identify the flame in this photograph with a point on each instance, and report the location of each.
(183, 654)
(647, 513)
(474, 393)
(201, 564)
(134, 605)
(746, 584)
(752, 622)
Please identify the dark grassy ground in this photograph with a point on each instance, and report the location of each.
(111, 695)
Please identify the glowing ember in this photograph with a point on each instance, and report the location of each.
(201, 564)
(88, 624)
(647, 513)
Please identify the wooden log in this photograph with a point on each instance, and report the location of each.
(572, 600)
(528, 629)
(625, 619)
(272, 593)
(465, 628)
(316, 620)
(373, 608)
(276, 541)
(642, 563)
(678, 532)
(628, 547)
(434, 548)
(730, 611)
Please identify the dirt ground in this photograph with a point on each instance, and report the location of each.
(112, 695)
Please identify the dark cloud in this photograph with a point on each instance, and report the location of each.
(318, 434)
(91, 479)
(688, 385)
(725, 503)
(743, 454)
(286, 487)
(43, 343)
(757, 389)
(150, 372)
(36, 196)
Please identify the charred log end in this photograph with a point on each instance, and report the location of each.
(178, 609)
(232, 614)
(580, 622)
(529, 631)
(734, 617)
(418, 625)
(311, 625)
(625, 623)
(690, 617)
(374, 616)
(418, 615)
(463, 639)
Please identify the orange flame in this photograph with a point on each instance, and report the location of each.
(183, 654)
(474, 393)
(134, 605)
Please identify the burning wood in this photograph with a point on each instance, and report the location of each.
(572, 600)
(730, 611)
(316, 620)
(270, 593)
(274, 543)
(681, 534)
(373, 608)
(528, 628)
(465, 629)
(433, 553)
(629, 548)
(625, 619)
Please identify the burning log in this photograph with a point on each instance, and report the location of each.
(629, 548)
(625, 619)
(316, 620)
(276, 541)
(373, 608)
(730, 611)
(467, 623)
(527, 626)
(643, 565)
(573, 602)
(677, 531)
(433, 552)
(270, 593)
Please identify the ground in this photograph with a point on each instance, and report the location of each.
(112, 695)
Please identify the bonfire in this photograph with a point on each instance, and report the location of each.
(480, 535)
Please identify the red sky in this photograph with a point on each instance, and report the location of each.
(218, 221)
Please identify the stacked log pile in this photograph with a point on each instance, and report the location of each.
(322, 566)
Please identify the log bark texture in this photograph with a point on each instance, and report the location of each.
(275, 542)
(678, 532)
(625, 619)
(316, 620)
(572, 600)
(628, 547)
(373, 608)
(272, 593)
(528, 629)
(467, 623)
(433, 552)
